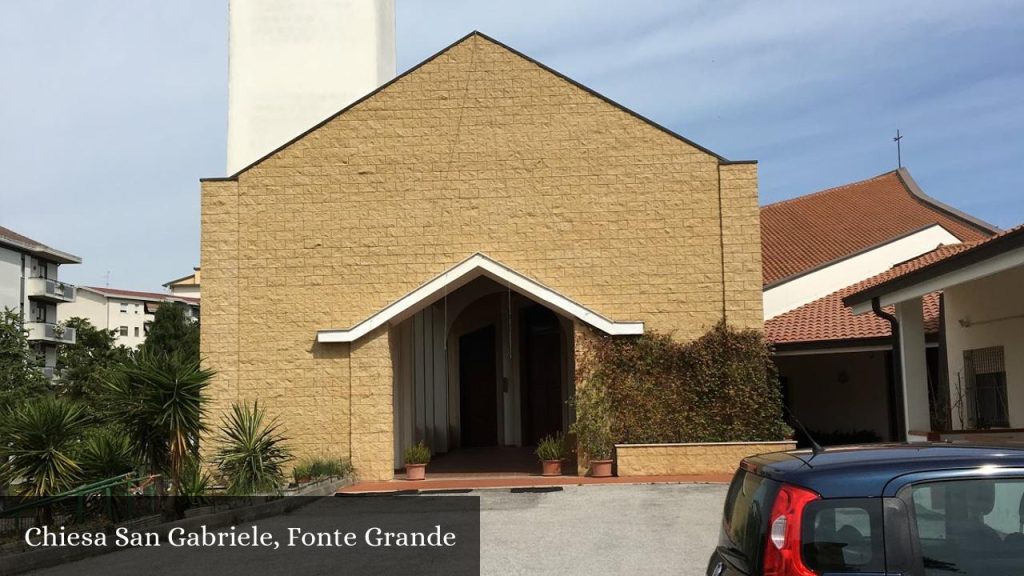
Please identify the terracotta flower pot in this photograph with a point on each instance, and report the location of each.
(415, 471)
(601, 468)
(551, 468)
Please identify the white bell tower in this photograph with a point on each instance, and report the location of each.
(292, 63)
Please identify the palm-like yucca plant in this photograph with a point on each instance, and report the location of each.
(106, 453)
(39, 438)
(159, 400)
(252, 454)
(195, 482)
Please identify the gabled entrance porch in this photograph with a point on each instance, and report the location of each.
(480, 356)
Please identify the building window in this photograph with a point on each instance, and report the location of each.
(124, 307)
(136, 331)
(124, 331)
(985, 387)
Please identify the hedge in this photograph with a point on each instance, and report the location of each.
(722, 387)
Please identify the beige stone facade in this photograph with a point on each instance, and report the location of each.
(479, 149)
(684, 459)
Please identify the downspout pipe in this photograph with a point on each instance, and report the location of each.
(897, 370)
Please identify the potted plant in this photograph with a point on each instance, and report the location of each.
(551, 451)
(417, 457)
(593, 429)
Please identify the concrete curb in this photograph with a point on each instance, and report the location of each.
(39, 559)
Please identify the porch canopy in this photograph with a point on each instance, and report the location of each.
(461, 274)
(981, 283)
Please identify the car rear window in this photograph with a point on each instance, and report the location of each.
(971, 527)
(747, 506)
(843, 535)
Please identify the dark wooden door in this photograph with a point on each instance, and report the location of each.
(478, 388)
(541, 371)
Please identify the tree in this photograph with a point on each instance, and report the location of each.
(158, 399)
(20, 375)
(173, 331)
(85, 365)
(39, 437)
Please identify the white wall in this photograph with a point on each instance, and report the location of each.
(186, 290)
(88, 305)
(983, 313)
(822, 282)
(10, 279)
(293, 63)
(105, 313)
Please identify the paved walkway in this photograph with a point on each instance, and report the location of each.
(487, 481)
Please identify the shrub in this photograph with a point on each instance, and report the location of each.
(593, 425)
(319, 467)
(721, 387)
(330, 468)
(551, 448)
(302, 472)
(252, 453)
(417, 454)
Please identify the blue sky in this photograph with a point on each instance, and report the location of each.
(112, 111)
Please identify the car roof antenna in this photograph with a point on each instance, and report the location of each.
(815, 447)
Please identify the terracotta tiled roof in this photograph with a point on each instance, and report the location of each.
(803, 233)
(828, 319)
(134, 294)
(938, 255)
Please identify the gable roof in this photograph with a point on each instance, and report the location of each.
(468, 37)
(829, 319)
(807, 232)
(192, 279)
(137, 295)
(461, 274)
(17, 241)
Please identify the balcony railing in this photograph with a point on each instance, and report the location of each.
(50, 290)
(47, 332)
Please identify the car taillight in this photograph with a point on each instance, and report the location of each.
(782, 545)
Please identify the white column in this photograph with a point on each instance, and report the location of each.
(913, 366)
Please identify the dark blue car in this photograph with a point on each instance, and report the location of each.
(906, 509)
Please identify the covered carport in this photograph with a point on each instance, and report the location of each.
(981, 338)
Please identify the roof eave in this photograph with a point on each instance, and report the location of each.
(1011, 242)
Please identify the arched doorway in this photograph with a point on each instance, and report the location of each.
(481, 374)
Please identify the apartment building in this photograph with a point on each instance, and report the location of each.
(128, 313)
(187, 286)
(29, 284)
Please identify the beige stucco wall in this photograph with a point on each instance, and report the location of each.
(478, 150)
(684, 459)
(993, 310)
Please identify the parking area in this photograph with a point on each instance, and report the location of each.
(581, 529)
(628, 529)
